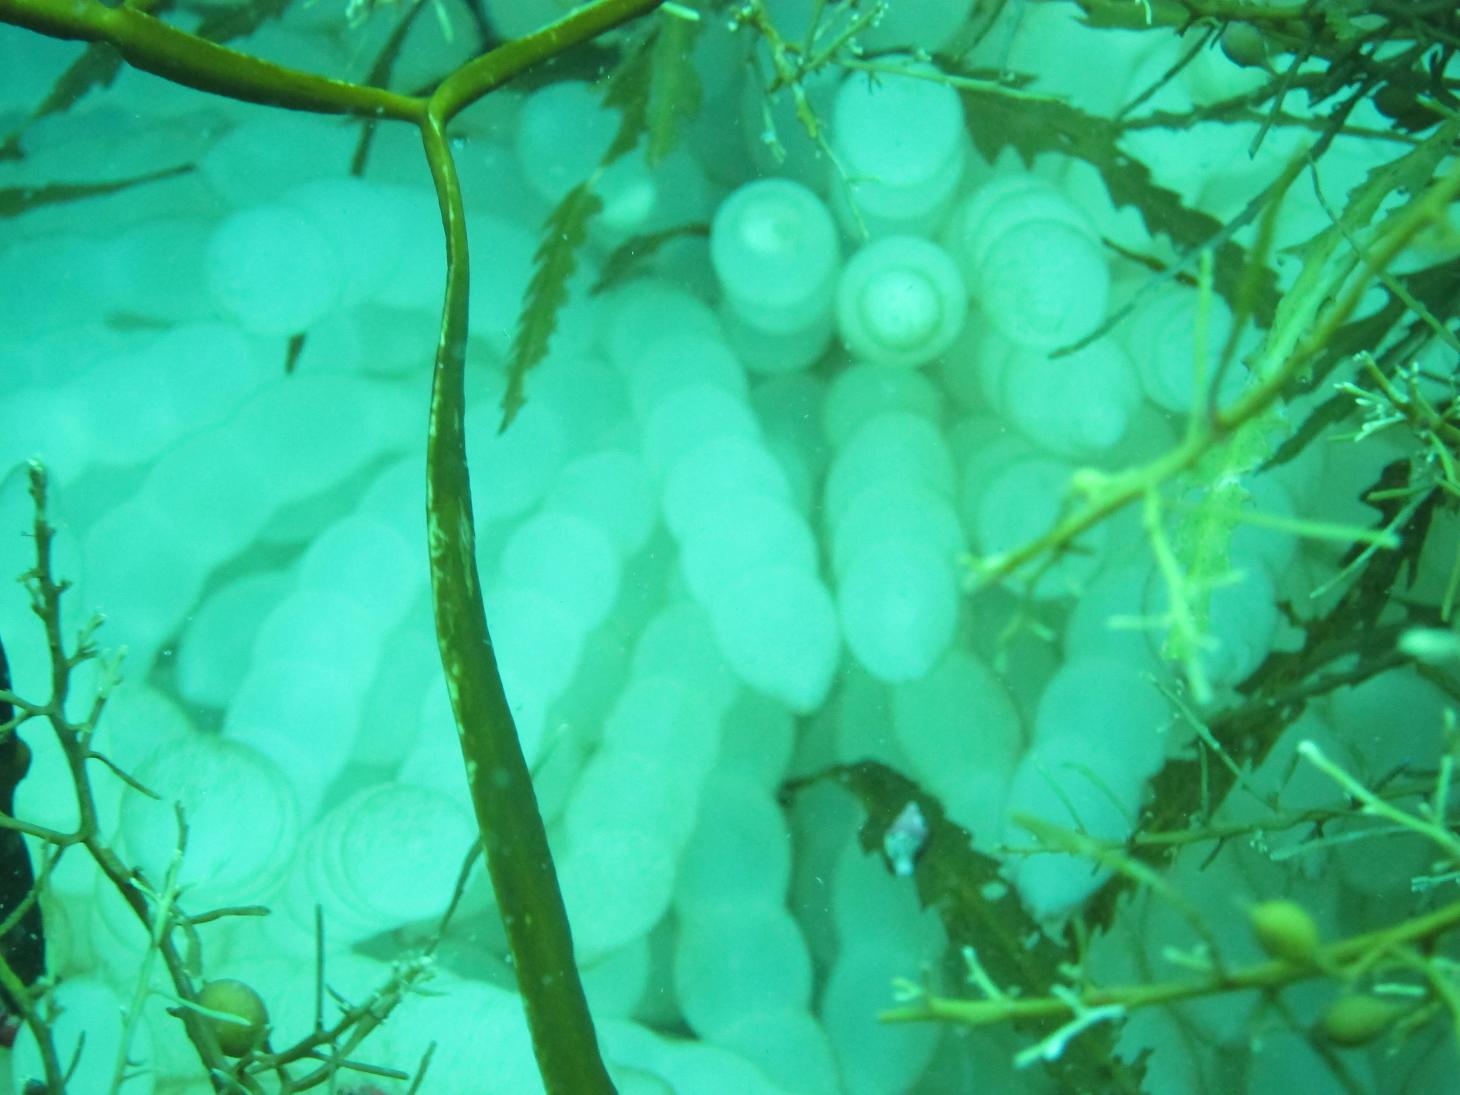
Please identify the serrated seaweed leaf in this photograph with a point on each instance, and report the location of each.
(1345, 646)
(99, 63)
(625, 260)
(1126, 15)
(674, 88)
(15, 200)
(379, 76)
(564, 233)
(224, 23)
(626, 89)
(1286, 682)
(97, 67)
(1032, 124)
(1437, 287)
(1328, 259)
(655, 89)
(979, 909)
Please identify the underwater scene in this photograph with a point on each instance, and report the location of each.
(681, 547)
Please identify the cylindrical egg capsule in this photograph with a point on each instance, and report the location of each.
(774, 249)
(900, 301)
(901, 145)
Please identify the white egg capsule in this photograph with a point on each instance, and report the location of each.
(1032, 259)
(1161, 335)
(774, 249)
(1044, 284)
(900, 301)
(1078, 405)
(901, 146)
(1002, 203)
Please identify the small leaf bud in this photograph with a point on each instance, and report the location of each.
(1284, 929)
(1244, 45)
(1358, 1018)
(235, 998)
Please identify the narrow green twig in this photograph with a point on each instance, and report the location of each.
(1273, 974)
(46, 593)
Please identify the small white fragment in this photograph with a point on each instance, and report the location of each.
(905, 839)
(1430, 645)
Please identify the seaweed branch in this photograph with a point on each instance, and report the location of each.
(1315, 309)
